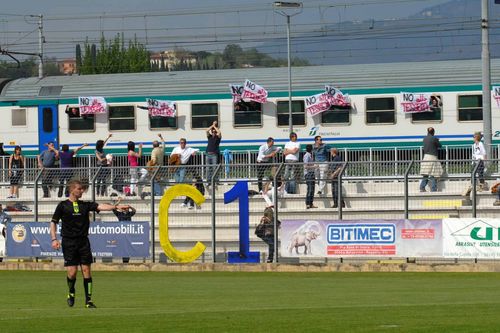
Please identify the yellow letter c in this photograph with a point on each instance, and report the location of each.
(168, 248)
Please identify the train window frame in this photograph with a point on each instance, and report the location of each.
(84, 117)
(380, 110)
(429, 121)
(302, 102)
(253, 112)
(348, 123)
(211, 121)
(23, 114)
(170, 128)
(110, 107)
(459, 108)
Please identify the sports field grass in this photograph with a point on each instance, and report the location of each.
(32, 301)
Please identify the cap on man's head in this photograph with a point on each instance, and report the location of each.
(270, 139)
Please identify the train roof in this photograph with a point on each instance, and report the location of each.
(305, 79)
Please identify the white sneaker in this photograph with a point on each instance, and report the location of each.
(183, 205)
(190, 207)
(12, 196)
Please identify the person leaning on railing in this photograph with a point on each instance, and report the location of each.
(495, 189)
(430, 168)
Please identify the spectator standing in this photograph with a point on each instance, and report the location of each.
(133, 163)
(123, 215)
(47, 162)
(309, 175)
(495, 190)
(2, 151)
(430, 167)
(74, 215)
(479, 155)
(16, 170)
(265, 231)
(66, 160)
(102, 162)
(184, 154)
(336, 168)
(158, 151)
(198, 184)
(264, 159)
(4, 219)
(292, 151)
(214, 136)
(321, 154)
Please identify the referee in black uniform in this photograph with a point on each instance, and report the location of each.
(74, 215)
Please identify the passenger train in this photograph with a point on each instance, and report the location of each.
(33, 110)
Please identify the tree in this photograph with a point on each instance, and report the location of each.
(113, 57)
(78, 61)
(232, 56)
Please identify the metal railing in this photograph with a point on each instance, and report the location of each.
(377, 189)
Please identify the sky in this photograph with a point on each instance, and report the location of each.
(191, 24)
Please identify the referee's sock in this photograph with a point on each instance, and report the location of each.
(71, 285)
(87, 285)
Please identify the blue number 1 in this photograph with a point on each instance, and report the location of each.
(240, 191)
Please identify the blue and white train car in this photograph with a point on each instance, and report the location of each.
(33, 110)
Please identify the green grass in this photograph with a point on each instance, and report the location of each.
(32, 301)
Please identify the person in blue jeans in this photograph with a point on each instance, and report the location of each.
(321, 153)
(214, 136)
(309, 175)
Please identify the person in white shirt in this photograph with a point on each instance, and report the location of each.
(265, 157)
(185, 153)
(479, 155)
(292, 151)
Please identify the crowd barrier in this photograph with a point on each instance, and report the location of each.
(379, 190)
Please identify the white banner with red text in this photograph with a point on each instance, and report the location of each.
(361, 238)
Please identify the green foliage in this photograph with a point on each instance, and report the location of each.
(28, 68)
(113, 57)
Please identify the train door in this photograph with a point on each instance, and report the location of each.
(48, 126)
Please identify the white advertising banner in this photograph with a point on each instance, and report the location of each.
(92, 105)
(415, 102)
(159, 108)
(361, 238)
(471, 238)
(253, 92)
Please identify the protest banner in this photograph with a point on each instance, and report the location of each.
(92, 105)
(253, 92)
(160, 108)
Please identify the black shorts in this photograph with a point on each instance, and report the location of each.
(15, 179)
(76, 251)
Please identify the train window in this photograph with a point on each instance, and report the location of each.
(122, 118)
(335, 115)
(247, 114)
(298, 113)
(470, 108)
(48, 127)
(162, 122)
(434, 115)
(203, 115)
(18, 117)
(380, 110)
(79, 123)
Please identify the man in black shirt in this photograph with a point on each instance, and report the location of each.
(214, 136)
(74, 215)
